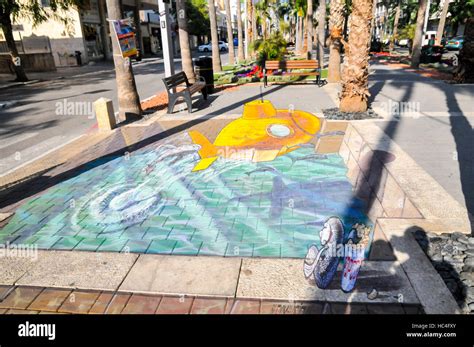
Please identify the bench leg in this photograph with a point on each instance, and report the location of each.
(189, 102)
(171, 103)
(204, 93)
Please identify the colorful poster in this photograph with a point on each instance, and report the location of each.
(125, 37)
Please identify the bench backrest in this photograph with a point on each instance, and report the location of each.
(176, 80)
(291, 64)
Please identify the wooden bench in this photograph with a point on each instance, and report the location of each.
(288, 65)
(187, 89)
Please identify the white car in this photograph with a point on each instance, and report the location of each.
(208, 47)
(403, 43)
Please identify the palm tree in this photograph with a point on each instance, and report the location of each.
(240, 35)
(129, 102)
(321, 30)
(442, 22)
(299, 7)
(355, 79)
(230, 32)
(416, 47)
(249, 17)
(395, 25)
(254, 23)
(216, 56)
(186, 59)
(309, 25)
(464, 72)
(336, 22)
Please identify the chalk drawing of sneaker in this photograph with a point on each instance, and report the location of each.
(322, 264)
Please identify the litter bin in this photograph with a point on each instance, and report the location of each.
(203, 68)
(78, 57)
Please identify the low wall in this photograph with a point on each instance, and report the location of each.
(34, 62)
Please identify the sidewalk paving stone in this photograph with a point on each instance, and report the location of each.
(175, 305)
(79, 302)
(142, 304)
(103, 271)
(101, 303)
(183, 275)
(49, 299)
(118, 303)
(208, 306)
(13, 268)
(245, 307)
(20, 298)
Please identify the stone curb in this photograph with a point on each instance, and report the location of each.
(433, 294)
(203, 276)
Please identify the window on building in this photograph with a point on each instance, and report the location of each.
(45, 3)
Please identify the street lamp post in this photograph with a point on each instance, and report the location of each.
(163, 8)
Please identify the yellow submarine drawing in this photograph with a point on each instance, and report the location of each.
(261, 134)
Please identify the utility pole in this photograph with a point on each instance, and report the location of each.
(164, 10)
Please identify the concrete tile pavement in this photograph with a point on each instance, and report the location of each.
(434, 125)
(300, 96)
(40, 300)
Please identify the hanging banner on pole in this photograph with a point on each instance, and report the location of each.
(126, 37)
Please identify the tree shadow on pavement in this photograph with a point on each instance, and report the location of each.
(463, 135)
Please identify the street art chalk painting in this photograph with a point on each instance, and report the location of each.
(267, 193)
(261, 134)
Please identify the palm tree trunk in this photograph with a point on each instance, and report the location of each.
(216, 56)
(336, 22)
(309, 26)
(186, 58)
(395, 25)
(230, 33)
(321, 31)
(298, 35)
(304, 43)
(6, 25)
(292, 29)
(254, 23)
(416, 47)
(442, 22)
(372, 22)
(464, 72)
(240, 35)
(315, 32)
(128, 99)
(355, 79)
(248, 18)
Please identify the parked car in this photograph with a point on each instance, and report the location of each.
(455, 43)
(427, 37)
(431, 54)
(403, 43)
(208, 47)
